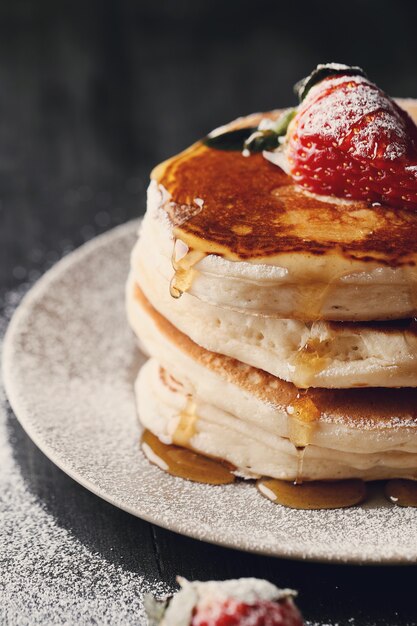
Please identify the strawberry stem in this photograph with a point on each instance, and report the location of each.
(323, 71)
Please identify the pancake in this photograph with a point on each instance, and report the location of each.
(308, 354)
(253, 241)
(254, 420)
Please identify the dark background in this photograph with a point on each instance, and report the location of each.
(92, 95)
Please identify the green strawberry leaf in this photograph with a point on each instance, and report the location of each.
(323, 71)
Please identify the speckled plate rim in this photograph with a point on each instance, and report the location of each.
(34, 295)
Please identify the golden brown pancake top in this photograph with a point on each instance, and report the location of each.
(251, 209)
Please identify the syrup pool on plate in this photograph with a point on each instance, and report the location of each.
(185, 463)
(402, 492)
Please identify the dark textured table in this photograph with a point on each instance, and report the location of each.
(92, 95)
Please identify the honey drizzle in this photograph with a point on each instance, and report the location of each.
(186, 427)
(300, 461)
(303, 416)
(401, 492)
(313, 297)
(183, 261)
(308, 363)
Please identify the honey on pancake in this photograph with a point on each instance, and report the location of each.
(183, 261)
(302, 418)
(252, 211)
(304, 413)
(185, 463)
(315, 494)
(308, 362)
(312, 299)
(301, 450)
(402, 492)
(186, 426)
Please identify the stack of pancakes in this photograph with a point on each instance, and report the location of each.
(275, 321)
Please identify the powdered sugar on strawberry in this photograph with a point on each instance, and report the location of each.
(242, 602)
(261, 613)
(333, 113)
(350, 140)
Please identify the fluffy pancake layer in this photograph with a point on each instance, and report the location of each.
(261, 245)
(309, 354)
(245, 416)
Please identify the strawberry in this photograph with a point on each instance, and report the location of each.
(350, 140)
(242, 602)
(261, 613)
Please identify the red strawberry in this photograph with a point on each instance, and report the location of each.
(234, 613)
(242, 602)
(350, 140)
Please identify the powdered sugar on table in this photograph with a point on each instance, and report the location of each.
(47, 576)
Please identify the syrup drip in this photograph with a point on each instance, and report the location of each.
(303, 416)
(186, 426)
(300, 461)
(313, 495)
(402, 492)
(183, 261)
(185, 463)
(308, 362)
(312, 299)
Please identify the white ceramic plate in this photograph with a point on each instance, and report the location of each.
(69, 364)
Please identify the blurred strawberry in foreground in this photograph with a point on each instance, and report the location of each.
(349, 139)
(261, 613)
(243, 602)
